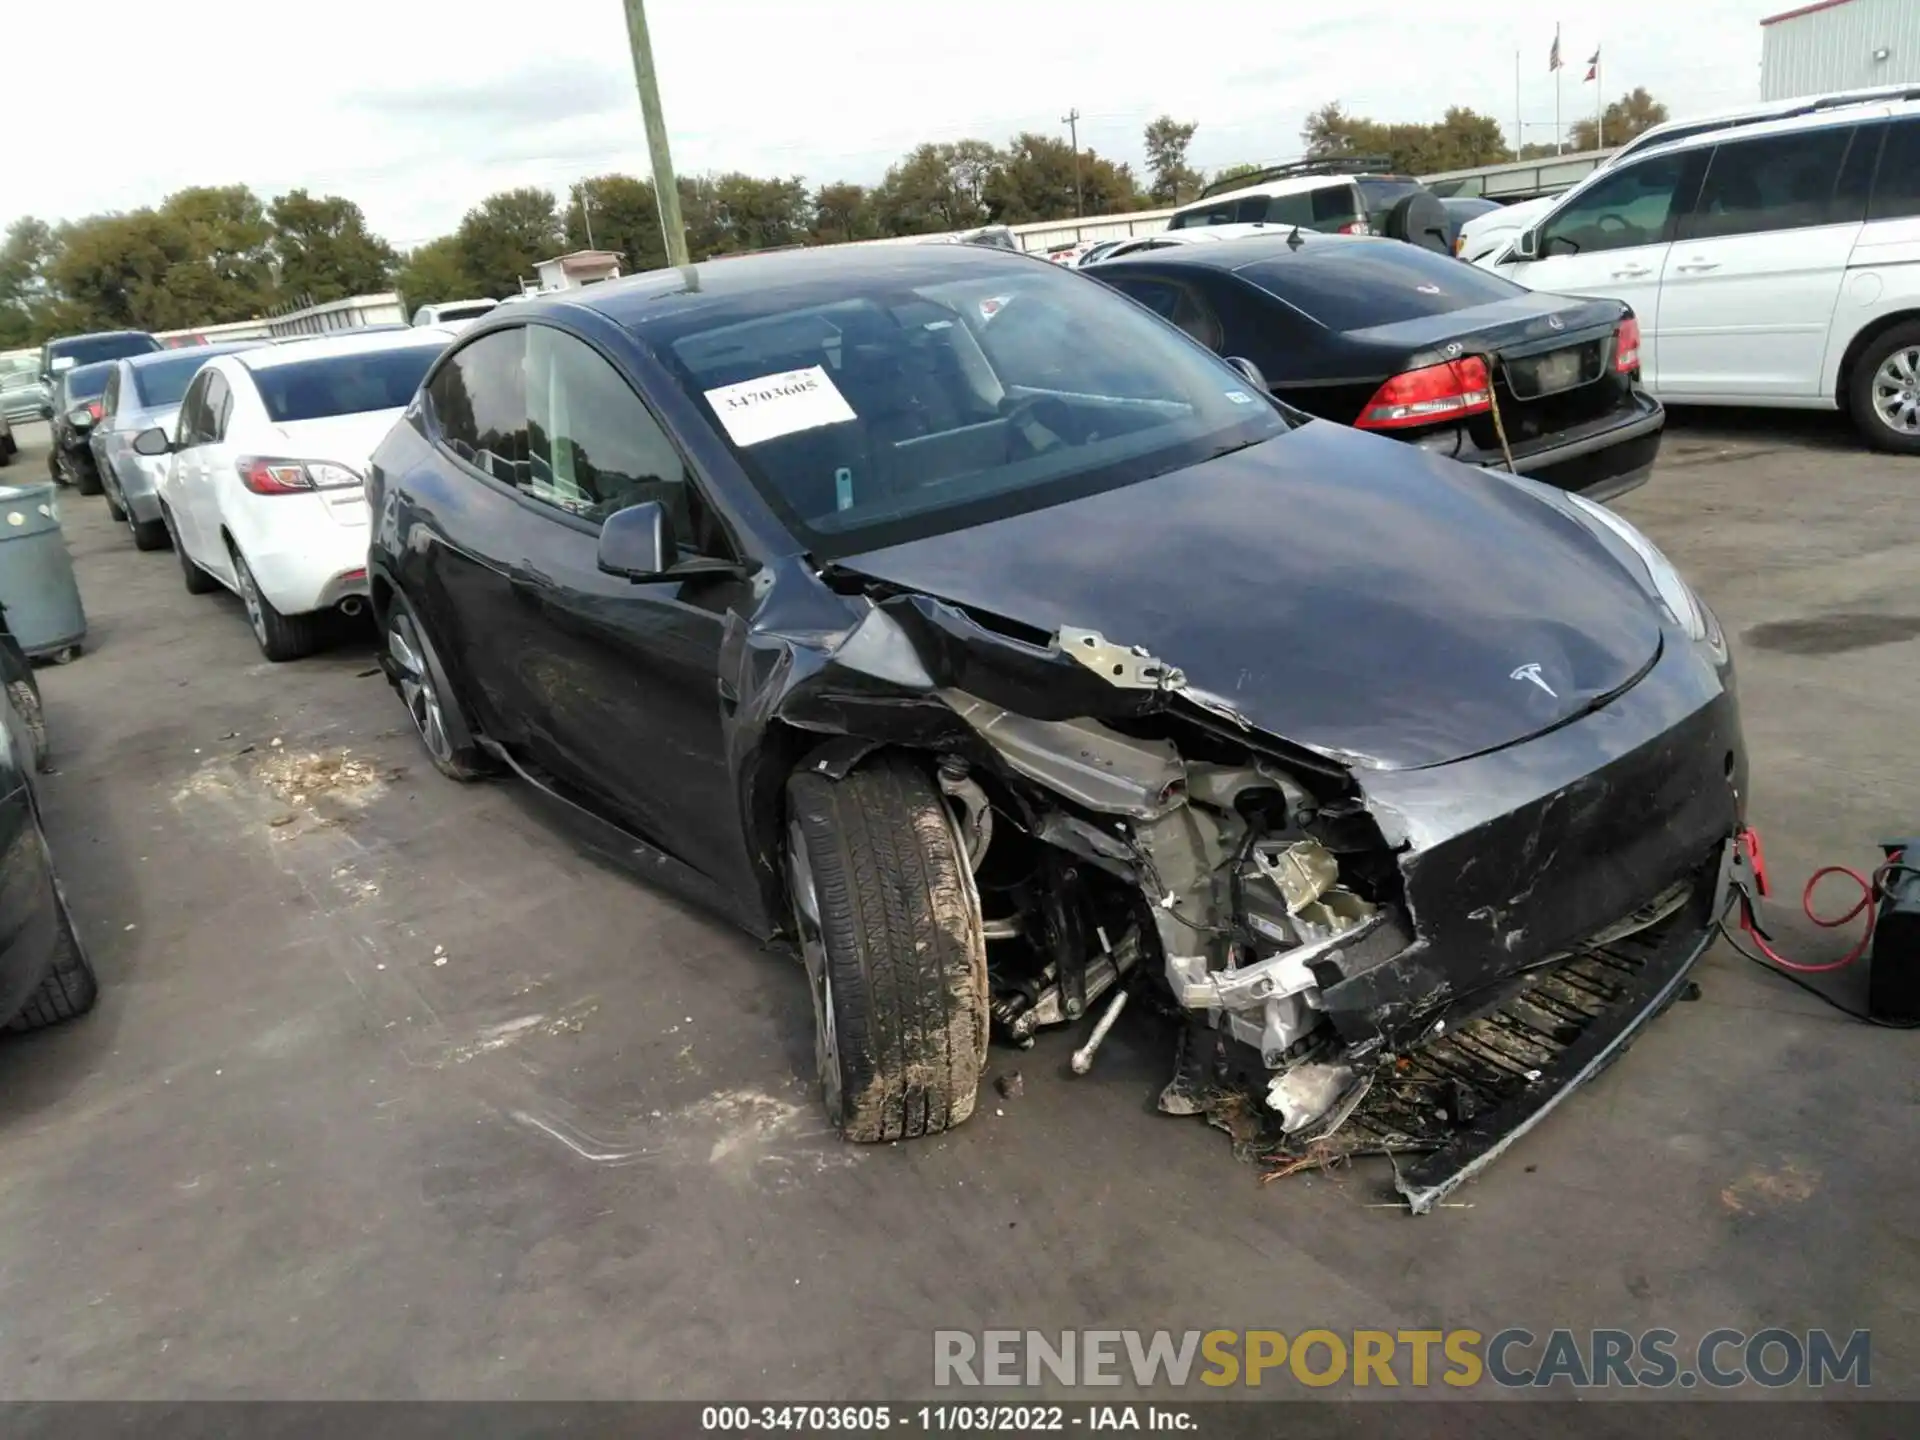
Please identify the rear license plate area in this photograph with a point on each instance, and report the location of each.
(1536, 375)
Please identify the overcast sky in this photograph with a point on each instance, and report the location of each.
(417, 108)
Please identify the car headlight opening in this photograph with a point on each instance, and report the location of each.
(1686, 608)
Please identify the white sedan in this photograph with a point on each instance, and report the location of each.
(264, 492)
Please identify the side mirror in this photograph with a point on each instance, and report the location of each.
(80, 418)
(638, 542)
(152, 443)
(1527, 246)
(1249, 370)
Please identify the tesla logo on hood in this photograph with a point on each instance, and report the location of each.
(1531, 674)
(1554, 322)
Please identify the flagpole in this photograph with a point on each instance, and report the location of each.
(1599, 106)
(1519, 127)
(1558, 148)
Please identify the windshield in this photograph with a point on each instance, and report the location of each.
(86, 383)
(888, 414)
(164, 382)
(343, 384)
(1357, 284)
(88, 349)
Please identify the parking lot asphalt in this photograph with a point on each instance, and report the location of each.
(394, 1090)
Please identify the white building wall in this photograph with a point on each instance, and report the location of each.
(1834, 47)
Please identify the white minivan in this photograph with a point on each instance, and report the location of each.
(1775, 264)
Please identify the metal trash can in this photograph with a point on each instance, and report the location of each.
(37, 585)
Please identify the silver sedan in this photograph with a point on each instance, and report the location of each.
(144, 391)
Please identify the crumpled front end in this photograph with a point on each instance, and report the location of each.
(1356, 958)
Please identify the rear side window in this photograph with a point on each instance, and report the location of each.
(1327, 208)
(1246, 209)
(1178, 304)
(1778, 182)
(1896, 189)
(218, 402)
(479, 403)
(1357, 285)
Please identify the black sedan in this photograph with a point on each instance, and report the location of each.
(1012, 654)
(76, 409)
(1415, 344)
(45, 976)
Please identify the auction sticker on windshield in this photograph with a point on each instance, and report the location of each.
(776, 405)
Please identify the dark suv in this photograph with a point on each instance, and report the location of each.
(70, 350)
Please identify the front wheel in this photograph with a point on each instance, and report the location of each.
(889, 928)
(86, 479)
(70, 988)
(1885, 391)
(416, 675)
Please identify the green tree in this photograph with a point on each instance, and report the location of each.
(229, 240)
(938, 187)
(624, 216)
(1173, 179)
(1229, 173)
(1459, 140)
(1037, 182)
(505, 235)
(436, 272)
(324, 249)
(760, 214)
(1627, 118)
(25, 253)
(843, 211)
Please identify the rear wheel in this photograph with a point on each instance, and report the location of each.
(1884, 394)
(149, 534)
(889, 928)
(416, 675)
(198, 581)
(281, 637)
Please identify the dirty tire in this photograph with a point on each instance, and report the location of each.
(69, 989)
(198, 581)
(1897, 352)
(86, 480)
(281, 637)
(150, 534)
(26, 704)
(898, 951)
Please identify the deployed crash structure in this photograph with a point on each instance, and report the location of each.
(1361, 960)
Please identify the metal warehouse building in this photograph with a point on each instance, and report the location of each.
(1839, 45)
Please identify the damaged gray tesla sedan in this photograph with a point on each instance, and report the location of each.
(956, 618)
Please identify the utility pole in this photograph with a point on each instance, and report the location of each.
(665, 192)
(1072, 121)
(586, 213)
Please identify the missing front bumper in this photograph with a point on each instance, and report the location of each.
(1456, 1103)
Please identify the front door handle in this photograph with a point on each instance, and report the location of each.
(1633, 272)
(1699, 265)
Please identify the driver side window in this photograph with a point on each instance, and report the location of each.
(1631, 207)
(192, 426)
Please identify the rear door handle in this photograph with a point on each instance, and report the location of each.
(1633, 273)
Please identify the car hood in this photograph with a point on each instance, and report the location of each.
(1348, 593)
(347, 439)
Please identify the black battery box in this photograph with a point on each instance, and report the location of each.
(1893, 981)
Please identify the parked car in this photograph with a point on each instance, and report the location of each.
(144, 391)
(1173, 239)
(1487, 239)
(1773, 264)
(1348, 195)
(23, 394)
(68, 351)
(1409, 343)
(1463, 210)
(453, 315)
(8, 449)
(76, 409)
(997, 663)
(45, 976)
(265, 494)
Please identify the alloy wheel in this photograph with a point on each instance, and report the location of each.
(416, 687)
(813, 952)
(1896, 391)
(250, 597)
